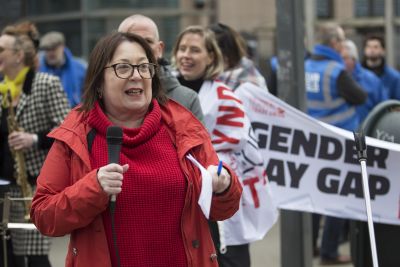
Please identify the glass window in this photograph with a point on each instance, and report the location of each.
(169, 29)
(41, 7)
(95, 4)
(71, 30)
(397, 8)
(369, 8)
(11, 12)
(96, 30)
(396, 44)
(324, 9)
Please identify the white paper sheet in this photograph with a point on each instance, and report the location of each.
(29, 226)
(206, 187)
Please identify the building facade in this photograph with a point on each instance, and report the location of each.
(84, 21)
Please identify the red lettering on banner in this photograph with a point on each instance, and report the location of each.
(251, 183)
(221, 94)
(223, 138)
(265, 179)
(227, 119)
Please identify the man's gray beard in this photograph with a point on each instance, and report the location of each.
(56, 63)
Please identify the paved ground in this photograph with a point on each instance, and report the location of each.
(264, 253)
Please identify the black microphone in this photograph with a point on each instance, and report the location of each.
(114, 141)
(361, 147)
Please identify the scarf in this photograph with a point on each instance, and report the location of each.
(14, 86)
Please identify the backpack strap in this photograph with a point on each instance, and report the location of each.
(90, 138)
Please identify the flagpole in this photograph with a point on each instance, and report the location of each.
(361, 147)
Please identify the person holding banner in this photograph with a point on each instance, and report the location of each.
(199, 62)
(258, 212)
(158, 220)
(332, 96)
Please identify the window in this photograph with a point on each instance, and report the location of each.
(96, 30)
(397, 8)
(42, 7)
(369, 8)
(169, 29)
(98, 4)
(71, 30)
(324, 9)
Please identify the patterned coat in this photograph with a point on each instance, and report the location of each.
(42, 106)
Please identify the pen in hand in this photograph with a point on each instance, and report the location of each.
(220, 179)
(219, 168)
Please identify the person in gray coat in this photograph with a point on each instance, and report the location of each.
(147, 28)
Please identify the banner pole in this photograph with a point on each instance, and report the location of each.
(359, 139)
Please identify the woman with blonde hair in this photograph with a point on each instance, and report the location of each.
(199, 62)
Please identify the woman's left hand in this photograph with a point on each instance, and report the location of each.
(219, 183)
(20, 140)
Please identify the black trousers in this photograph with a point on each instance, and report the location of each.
(10, 254)
(236, 256)
(32, 261)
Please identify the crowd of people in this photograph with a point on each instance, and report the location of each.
(56, 111)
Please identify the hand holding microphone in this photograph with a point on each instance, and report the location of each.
(220, 178)
(110, 176)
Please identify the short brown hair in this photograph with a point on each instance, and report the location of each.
(101, 55)
(217, 65)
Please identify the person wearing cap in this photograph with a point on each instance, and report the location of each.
(58, 60)
(365, 78)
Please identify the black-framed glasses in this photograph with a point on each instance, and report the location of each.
(125, 70)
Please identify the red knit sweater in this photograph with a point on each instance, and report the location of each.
(149, 208)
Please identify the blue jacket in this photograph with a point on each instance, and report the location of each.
(323, 100)
(274, 64)
(72, 76)
(391, 80)
(373, 86)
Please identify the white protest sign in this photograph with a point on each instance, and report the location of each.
(313, 167)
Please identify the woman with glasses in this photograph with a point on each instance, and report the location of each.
(32, 104)
(157, 220)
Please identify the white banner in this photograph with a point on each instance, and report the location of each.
(236, 145)
(313, 167)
